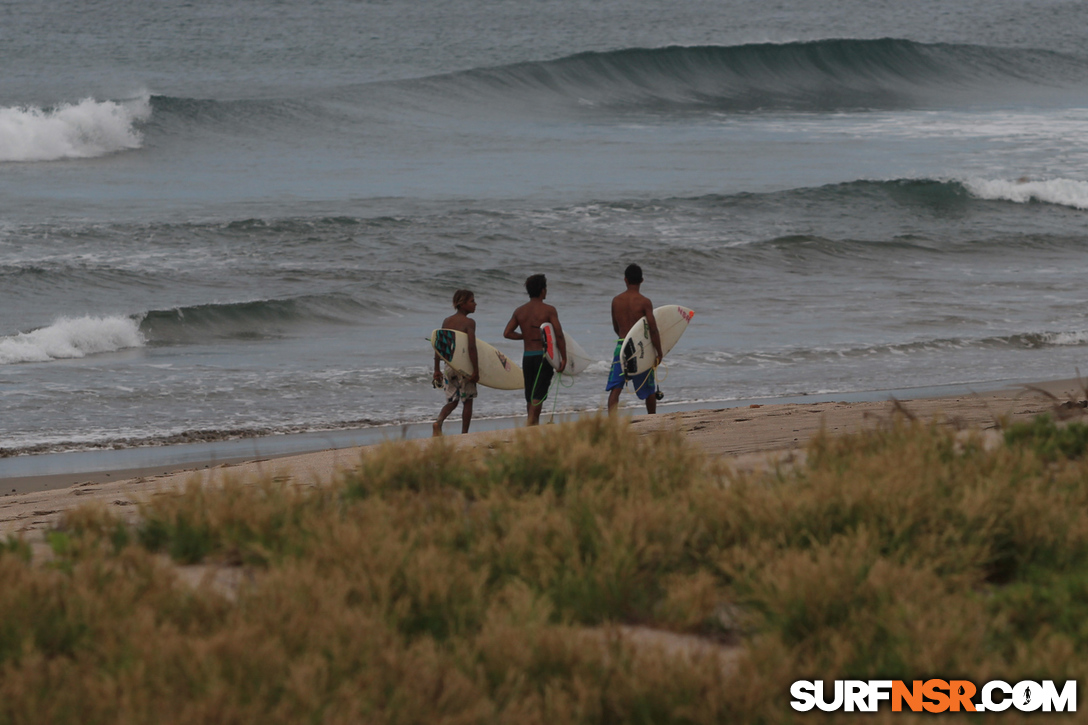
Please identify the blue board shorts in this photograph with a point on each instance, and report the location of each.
(538, 377)
(643, 382)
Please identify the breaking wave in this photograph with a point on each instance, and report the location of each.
(257, 319)
(260, 319)
(808, 77)
(80, 130)
(72, 338)
(1063, 192)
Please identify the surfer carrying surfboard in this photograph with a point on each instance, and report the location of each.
(525, 325)
(628, 309)
(459, 387)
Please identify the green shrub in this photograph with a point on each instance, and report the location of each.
(1049, 441)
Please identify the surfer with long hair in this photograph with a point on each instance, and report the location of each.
(459, 388)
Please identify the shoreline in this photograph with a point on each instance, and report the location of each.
(750, 437)
(47, 471)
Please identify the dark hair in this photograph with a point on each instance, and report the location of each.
(633, 274)
(536, 284)
(462, 296)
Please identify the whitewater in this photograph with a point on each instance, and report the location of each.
(85, 129)
(243, 220)
(67, 338)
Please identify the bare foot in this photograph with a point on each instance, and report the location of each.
(436, 430)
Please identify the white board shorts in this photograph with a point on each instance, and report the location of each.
(458, 387)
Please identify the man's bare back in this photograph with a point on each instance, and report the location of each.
(460, 322)
(528, 318)
(628, 308)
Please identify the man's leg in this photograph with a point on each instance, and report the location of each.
(616, 382)
(466, 415)
(538, 389)
(436, 429)
(645, 388)
(614, 399)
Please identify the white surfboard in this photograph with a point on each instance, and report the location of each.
(496, 370)
(637, 352)
(577, 358)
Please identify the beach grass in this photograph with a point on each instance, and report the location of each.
(581, 573)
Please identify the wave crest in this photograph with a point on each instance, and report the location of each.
(811, 76)
(1039, 340)
(830, 75)
(1063, 192)
(252, 320)
(81, 130)
(71, 338)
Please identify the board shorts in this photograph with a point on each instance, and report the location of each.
(643, 382)
(457, 386)
(538, 377)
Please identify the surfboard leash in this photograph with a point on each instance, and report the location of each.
(559, 384)
(657, 381)
(653, 374)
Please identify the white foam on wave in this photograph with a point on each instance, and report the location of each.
(72, 338)
(1065, 192)
(599, 366)
(81, 130)
(1076, 338)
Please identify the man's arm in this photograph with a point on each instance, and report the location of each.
(437, 369)
(471, 332)
(511, 331)
(615, 322)
(655, 338)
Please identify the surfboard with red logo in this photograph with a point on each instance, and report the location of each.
(577, 358)
(637, 352)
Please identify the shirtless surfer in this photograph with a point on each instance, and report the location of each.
(525, 326)
(628, 308)
(459, 388)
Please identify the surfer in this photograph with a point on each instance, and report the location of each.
(459, 388)
(525, 325)
(628, 308)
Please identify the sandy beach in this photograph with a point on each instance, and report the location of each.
(747, 437)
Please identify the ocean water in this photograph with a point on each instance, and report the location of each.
(243, 217)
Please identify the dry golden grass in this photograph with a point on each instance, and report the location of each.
(453, 586)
